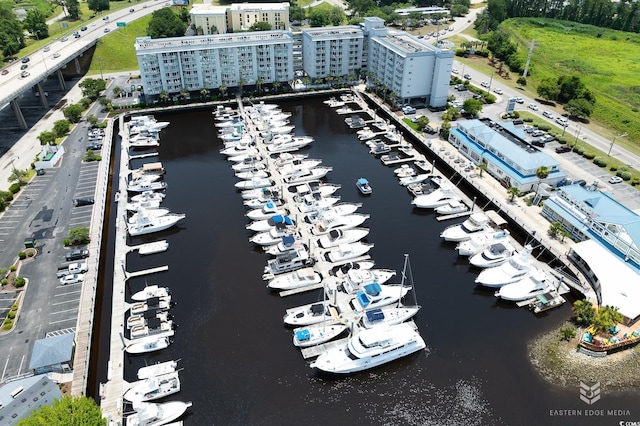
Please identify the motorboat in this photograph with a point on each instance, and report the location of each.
(154, 326)
(264, 193)
(151, 213)
(233, 136)
(254, 173)
(313, 202)
(292, 144)
(366, 134)
(143, 142)
(248, 164)
(147, 224)
(267, 224)
(157, 369)
(160, 303)
(287, 244)
(327, 224)
(348, 251)
(371, 348)
(435, 199)
(480, 241)
(322, 188)
(517, 268)
(475, 223)
(336, 237)
(287, 262)
(285, 158)
(378, 147)
(305, 175)
(230, 121)
(243, 158)
(149, 169)
(152, 414)
(300, 278)
(410, 180)
(145, 185)
(341, 209)
(345, 109)
(150, 291)
(535, 284)
(317, 334)
(258, 203)
(149, 344)
(393, 136)
(148, 196)
(375, 295)
(452, 207)
(334, 103)
(153, 388)
(388, 315)
(143, 205)
(272, 236)
(143, 178)
(494, 255)
(290, 167)
(424, 165)
(153, 318)
(355, 121)
(342, 270)
(153, 247)
(239, 150)
(254, 183)
(404, 171)
(313, 313)
(270, 209)
(355, 279)
(363, 186)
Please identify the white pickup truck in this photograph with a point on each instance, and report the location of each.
(73, 268)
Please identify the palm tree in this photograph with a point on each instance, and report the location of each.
(204, 93)
(259, 83)
(541, 172)
(223, 89)
(482, 167)
(164, 96)
(241, 83)
(18, 175)
(563, 234)
(513, 193)
(184, 93)
(605, 318)
(118, 91)
(584, 312)
(277, 84)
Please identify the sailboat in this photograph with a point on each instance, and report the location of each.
(317, 334)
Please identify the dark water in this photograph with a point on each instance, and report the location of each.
(240, 366)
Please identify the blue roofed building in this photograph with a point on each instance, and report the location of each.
(508, 157)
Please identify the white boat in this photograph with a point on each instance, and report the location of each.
(535, 284)
(228, 137)
(286, 244)
(363, 186)
(376, 295)
(143, 178)
(255, 173)
(143, 142)
(142, 205)
(151, 414)
(342, 236)
(271, 237)
(150, 212)
(334, 103)
(158, 325)
(239, 150)
(278, 128)
(161, 303)
(388, 315)
(287, 262)
(149, 344)
(157, 369)
(153, 388)
(248, 164)
(377, 147)
(342, 270)
(149, 292)
(295, 143)
(435, 199)
(243, 158)
(270, 209)
(355, 279)
(305, 175)
(410, 180)
(272, 222)
(480, 241)
(314, 202)
(393, 136)
(494, 255)
(254, 183)
(317, 334)
(327, 224)
(452, 207)
(229, 121)
(145, 185)
(148, 196)
(313, 313)
(285, 158)
(251, 194)
(404, 171)
(290, 167)
(371, 348)
(348, 251)
(366, 134)
(341, 209)
(475, 223)
(260, 202)
(154, 168)
(301, 278)
(322, 188)
(518, 267)
(424, 165)
(147, 224)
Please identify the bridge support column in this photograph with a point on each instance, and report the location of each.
(76, 62)
(18, 112)
(43, 96)
(63, 86)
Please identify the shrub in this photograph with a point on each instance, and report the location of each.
(600, 161)
(66, 242)
(20, 282)
(12, 268)
(613, 168)
(514, 114)
(30, 254)
(6, 195)
(589, 155)
(14, 307)
(3, 272)
(4, 281)
(568, 333)
(7, 321)
(624, 175)
(7, 326)
(528, 120)
(635, 181)
(14, 188)
(561, 140)
(22, 255)
(623, 169)
(11, 315)
(79, 235)
(578, 150)
(544, 126)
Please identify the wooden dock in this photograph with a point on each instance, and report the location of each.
(138, 157)
(146, 272)
(454, 216)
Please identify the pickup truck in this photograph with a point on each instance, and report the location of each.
(74, 268)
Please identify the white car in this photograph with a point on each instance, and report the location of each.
(519, 100)
(548, 114)
(498, 91)
(454, 70)
(72, 279)
(533, 107)
(615, 179)
(484, 84)
(408, 109)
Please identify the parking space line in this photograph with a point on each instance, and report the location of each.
(68, 301)
(67, 285)
(69, 292)
(64, 320)
(62, 312)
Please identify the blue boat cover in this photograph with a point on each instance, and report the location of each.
(375, 315)
(288, 240)
(303, 335)
(269, 205)
(363, 181)
(372, 289)
(363, 299)
(278, 219)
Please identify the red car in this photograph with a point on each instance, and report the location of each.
(563, 148)
(4, 72)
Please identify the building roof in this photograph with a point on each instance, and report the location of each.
(250, 7)
(208, 9)
(404, 44)
(619, 284)
(352, 31)
(52, 350)
(179, 44)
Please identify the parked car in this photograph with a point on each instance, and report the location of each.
(83, 29)
(467, 76)
(408, 109)
(63, 39)
(46, 49)
(537, 133)
(615, 179)
(94, 147)
(548, 114)
(25, 74)
(131, 10)
(76, 254)
(454, 70)
(83, 201)
(106, 30)
(517, 122)
(580, 182)
(562, 149)
(24, 66)
(5, 72)
(72, 279)
(461, 87)
(56, 55)
(538, 142)
(533, 107)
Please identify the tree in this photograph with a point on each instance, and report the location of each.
(223, 89)
(513, 193)
(47, 138)
(79, 235)
(259, 83)
(117, 91)
(68, 410)
(36, 23)
(240, 86)
(579, 107)
(336, 16)
(61, 127)
(554, 229)
(92, 119)
(542, 172)
(423, 122)
(318, 18)
(73, 8)
(91, 87)
(297, 14)
(204, 93)
(548, 89)
(184, 93)
(606, 318)
(98, 5)
(472, 106)
(445, 128)
(260, 26)
(483, 168)
(11, 31)
(165, 23)
(72, 113)
(164, 96)
(584, 312)
(499, 43)
(277, 85)
(522, 81)
(18, 175)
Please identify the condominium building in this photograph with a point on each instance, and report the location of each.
(332, 51)
(210, 19)
(194, 63)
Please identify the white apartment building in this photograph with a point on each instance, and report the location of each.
(332, 51)
(194, 63)
(409, 67)
(210, 19)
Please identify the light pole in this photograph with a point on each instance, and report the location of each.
(490, 82)
(577, 135)
(13, 167)
(614, 141)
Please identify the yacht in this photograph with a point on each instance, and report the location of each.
(150, 212)
(236, 150)
(366, 134)
(375, 295)
(452, 207)
(289, 167)
(287, 244)
(480, 241)
(311, 203)
(147, 224)
(149, 344)
(377, 147)
(341, 209)
(327, 224)
(301, 278)
(268, 224)
(388, 315)
(153, 388)
(272, 236)
(157, 369)
(160, 303)
(143, 205)
(317, 334)
(248, 164)
(530, 287)
(313, 313)
(159, 325)
(475, 223)
(424, 165)
(393, 136)
(371, 348)
(153, 247)
(229, 137)
(316, 186)
(305, 175)
(270, 209)
(242, 158)
(254, 183)
(143, 142)
(342, 270)
(355, 279)
(518, 267)
(435, 199)
(336, 237)
(148, 196)
(494, 255)
(260, 202)
(149, 292)
(348, 251)
(363, 186)
(254, 173)
(404, 171)
(289, 144)
(264, 193)
(410, 180)
(151, 414)
(287, 262)
(146, 185)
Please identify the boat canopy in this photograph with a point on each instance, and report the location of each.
(154, 322)
(372, 289)
(375, 315)
(362, 299)
(363, 181)
(288, 240)
(317, 308)
(303, 335)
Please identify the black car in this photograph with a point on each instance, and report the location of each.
(24, 66)
(562, 149)
(84, 201)
(538, 142)
(77, 254)
(25, 60)
(94, 147)
(83, 29)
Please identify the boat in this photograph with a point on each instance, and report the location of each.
(270, 209)
(366, 134)
(142, 205)
(375, 295)
(152, 414)
(363, 186)
(254, 183)
(264, 193)
(424, 165)
(148, 196)
(236, 150)
(242, 158)
(159, 303)
(317, 334)
(314, 202)
(149, 292)
(301, 278)
(475, 223)
(518, 267)
(377, 147)
(260, 202)
(157, 369)
(147, 224)
(146, 345)
(480, 241)
(292, 144)
(393, 136)
(287, 262)
(355, 279)
(355, 121)
(452, 207)
(546, 301)
(149, 169)
(143, 142)
(150, 212)
(404, 171)
(334, 103)
(255, 173)
(286, 244)
(313, 313)
(153, 388)
(285, 158)
(388, 315)
(327, 224)
(341, 209)
(336, 237)
(305, 175)
(288, 168)
(342, 270)
(348, 251)
(536, 283)
(370, 348)
(268, 224)
(248, 164)
(141, 326)
(410, 180)
(228, 137)
(494, 255)
(316, 186)
(145, 185)
(435, 199)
